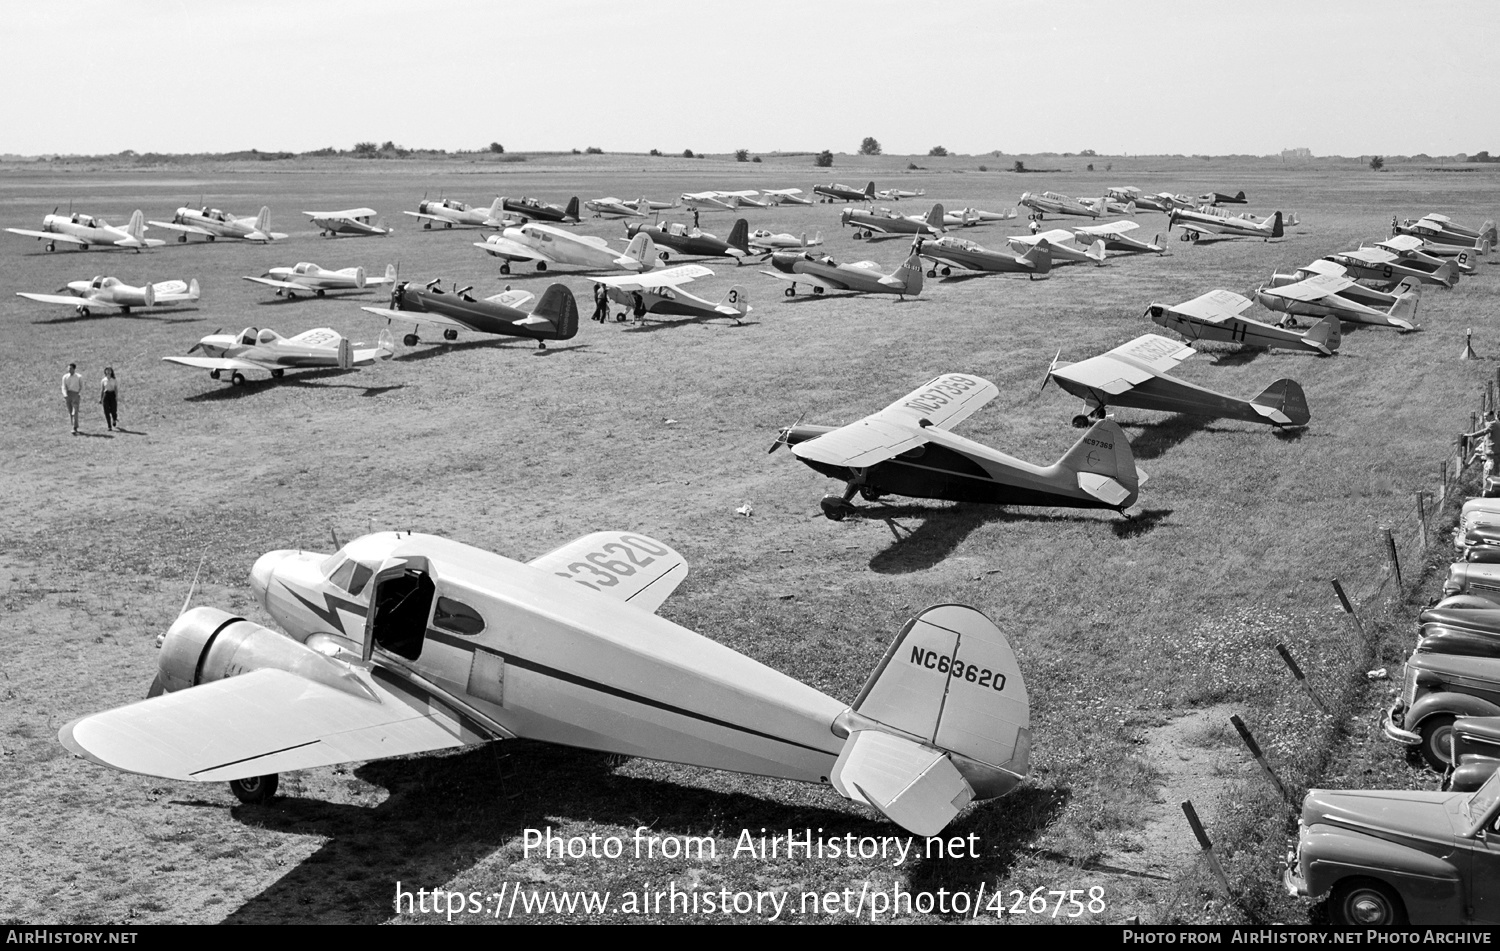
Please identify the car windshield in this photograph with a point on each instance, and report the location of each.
(1479, 808)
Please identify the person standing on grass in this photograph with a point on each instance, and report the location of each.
(72, 391)
(109, 398)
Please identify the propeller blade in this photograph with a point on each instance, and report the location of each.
(156, 688)
(194, 586)
(781, 437)
(1050, 367)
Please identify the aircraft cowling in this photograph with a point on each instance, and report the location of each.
(208, 644)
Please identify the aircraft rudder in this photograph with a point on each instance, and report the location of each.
(911, 273)
(137, 226)
(1276, 227)
(193, 290)
(738, 298)
(870, 192)
(263, 220)
(935, 217)
(1326, 334)
(1286, 397)
(1105, 465)
(739, 235)
(1404, 309)
(572, 209)
(559, 306)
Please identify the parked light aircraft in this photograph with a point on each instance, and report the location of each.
(861, 277)
(1111, 206)
(906, 449)
(86, 231)
(1219, 198)
(1162, 201)
(706, 201)
(660, 292)
(267, 350)
(546, 245)
(785, 196)
(1376, 264)
(83, 296)
(450, 211)
(1216, 316)
(1329, 295)
(1115, 237)
(764, 241)
(1203, 222)
(896, 194)
(833, 192)
(1063, 251)
(690, 239)
(952, 252)
(403, 643)
(531, 209)
(213, 223)
(1411, 247)
(978, 216)
(305, 276)
(360, 222)
(615, 208)
(1443, 230)
(1136, 374)
(555, 316)
(1061, 205)
(747, 198)
(884, 221)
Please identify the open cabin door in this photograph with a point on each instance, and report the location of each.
(401, 596)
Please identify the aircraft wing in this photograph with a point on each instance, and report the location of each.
(1113, 228)
(1314, 288)
(68, 299)
(650, 280)
(1055, 236)
(1126, 367)
(809, 279)
(272, 282)
(189, 229)
(49, 235)
(266, 721)
(511, 250)
(1214, 307)
(918, 417)
(1369, 255)
(418, 317)
(218, 363)
(424, 215)
(1324, 266)
(629, 567)
(516, 299)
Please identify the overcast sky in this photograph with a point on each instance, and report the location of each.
(1116, 76)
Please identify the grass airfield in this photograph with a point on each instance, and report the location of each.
(1123, 626)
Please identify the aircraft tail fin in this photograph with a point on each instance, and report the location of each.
(560, 307)
(1130, 208)
(1487, 231)
(870, 192)
(193, 291)
(149, 293)
(497, 209)
(1403, 313)
(1283, 403)
(1104, 465)
(935, 218)
(137, 226)
(641, 250)
(739, 236)
(346, 353)
(817, 238)
(1096, 250)
(943, 720)
(1290, 219)
(907, 279)
(390, 274)
(1276, 229)
(1483, 245)
(1100, 206)
(1039, 256)
(572, 209)
(1408, 285)
(1325, 335)
(263, 221)
(1240, 196)
(737, 299)
(1448, 273)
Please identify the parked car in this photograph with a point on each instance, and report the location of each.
(1437, 689)
(1476, 753)
(1390, 857)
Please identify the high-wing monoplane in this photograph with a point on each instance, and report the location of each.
(906, 449)
(1054, 203)
(861, 277)
(660, 292)
(1115, 236)
(267, 350)
(546, 245)
(305, 277)
(1217, 316)
(884, 221)
(1409, 247)
(86, 231)
(1063, 250)
(1213, 223)
(785, 196)
(555, 316)
(214, 223)
(615, 208)
(1333, 295)
(1111, 205)
(404, 643)
(360, 222)
(978, 216)
(1136, 374)
(707, 201)
(833, 192)
(1444, 230)
(84, 296)
(950, 252)
(767, 242)
(690, 239)
(896, 194)
(533, 209)
(1377, 264)
(450, 211)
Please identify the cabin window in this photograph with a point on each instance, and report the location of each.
(352, 576)
(457, 617)
(248, 337)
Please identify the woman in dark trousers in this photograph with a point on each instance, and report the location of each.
(109, 398)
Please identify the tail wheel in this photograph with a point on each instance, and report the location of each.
(1437, 741)
(1365, 903)
(254, 789)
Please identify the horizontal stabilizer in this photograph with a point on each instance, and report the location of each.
(1283, 403)
(1103, 488)
(915, 786)
(1325, 335)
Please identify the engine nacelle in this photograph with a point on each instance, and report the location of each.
(208, 644)
(1279, 279)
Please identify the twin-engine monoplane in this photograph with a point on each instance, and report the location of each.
(214, 223)
(401, 643)
(906, 449)
(1136, 375)
(266, 350)
(358, 222)
(304, 277)
(661, 292)
(555, 316)
(86, 231)
(861, 277)
(1217, 316)
(85, 296)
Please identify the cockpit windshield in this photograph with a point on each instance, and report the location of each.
(247, 336)
(267, 336)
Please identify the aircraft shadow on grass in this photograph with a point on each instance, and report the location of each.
(160, 318)
(308, 297)
(943, 529)
(1152, 440)
(412, 355)
(446, 814)
(649, 325)
(315, 379)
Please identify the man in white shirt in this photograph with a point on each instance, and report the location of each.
(72, 390)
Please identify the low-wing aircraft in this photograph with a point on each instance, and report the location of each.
(1063, 250)
(1061, 205)
(861, 277)
(1219, 198)
(213, 223)
(950, 252)
(545, 245)
(450, 211)
(1111, 206)
(896, 194)
(833, 192)
(978, 216)
(1411, 247)
(745, 198)
(1161, 201)
(1443, 230)
(360, 222)
(86, 231)
(403, 643)
(305, 277)
(532, 209)
(84, 296)
(615, 208)
(1334, 295)
(884, 221)
(1377, 264)
(555, 316)
(1216, 316)
(1219, 224)
(764, 241)
(265, 349)
(785, 196)
(690, 239)
(906, 449)
(1136, 374)
(707, 201)
(660, 292)
(1115, 236)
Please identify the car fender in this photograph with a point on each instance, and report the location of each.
(1429, 886)
(1447, 701)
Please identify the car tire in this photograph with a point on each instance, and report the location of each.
(1437, 741)
(1365, 903)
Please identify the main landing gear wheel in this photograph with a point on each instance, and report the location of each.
(505, 269)
(789, 292)
(817, 290)
(947, 271)
(51, 246)
(254, 789)
(1365, 903)
(410, 340)
(426, 226)
(182, 239)
(932, 272)
(663, 255)
(84, 311)
(238, 379)
(319, 292)
(450, 335)
(277, 374)
(541, 266)
(1080, 421)
(869, 494)
(213, 374)
(835, 507)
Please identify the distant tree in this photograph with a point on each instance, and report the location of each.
(756, 159)
(593, 150)
(1020, 166)
(365, 149)
(1088, 152)
(497, 148)
(912, 166)
(1482, 155)
(576, 152)
(996, 154)
(1377, 162)
(937, 150)
(656, 151)
(984, 168)
(742, 155)
(389, 146)
(823, 159)
(688, 153)
(870, 146)
(1091, 166)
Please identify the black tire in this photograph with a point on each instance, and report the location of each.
(254, 789)
(238, 379)
(410, 340)
(1365, 903)
(319, 292)
(277, 374)
(1437, 741)
(450, 335)
(1080, 421)
(789, 292)
(817, 290)
(932, 272)
(213, 374)
(505, 269)
(541, 266)
(834, 508)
